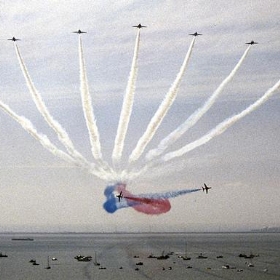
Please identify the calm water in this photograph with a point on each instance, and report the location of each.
(119, 250)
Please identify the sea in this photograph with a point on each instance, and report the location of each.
(140, 256)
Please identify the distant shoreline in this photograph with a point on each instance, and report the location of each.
(17, 233)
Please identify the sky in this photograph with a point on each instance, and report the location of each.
(42, 192)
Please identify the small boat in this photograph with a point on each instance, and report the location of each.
(78, 257)
(48, 265)
(226, 266)
(95, 260)
(185, 258)
(201, 256)
(81, 258)
(85, 259)
(3, 255)
(251, 256)
(23, 239)
(163, 256)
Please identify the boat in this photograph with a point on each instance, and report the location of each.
(95, 260)
(3, 255)
(226, 266)
(81, 258)
(201, 256)
(163, 256)
(48, 265)
(23, 239)
(251, 256)
(185, 258)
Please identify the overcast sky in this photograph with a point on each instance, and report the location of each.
(42, 192)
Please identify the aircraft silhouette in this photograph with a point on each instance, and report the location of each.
(195, 34)
(139, 25)
(252, 43)
(206, 188)
(120, 196)
(79, 32)
(14, 39)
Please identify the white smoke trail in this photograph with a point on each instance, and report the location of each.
(90, 117)
(222, 127)
(219, 129)
(47, 144)
(127, 105)
(87, 107)
(43, 139)
(195, 117)
(62, 134)
(162, 110)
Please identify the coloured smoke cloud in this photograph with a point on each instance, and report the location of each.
(150, 204)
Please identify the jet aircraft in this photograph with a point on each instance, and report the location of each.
(195, 34)
(206, 188)
(252, 43)
(14, 39)
(79, 32)
(139, 25)
(119, 196)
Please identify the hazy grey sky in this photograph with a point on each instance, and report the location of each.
(40, 191)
